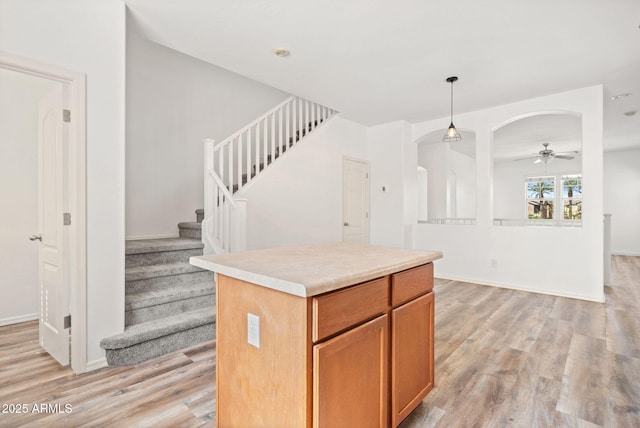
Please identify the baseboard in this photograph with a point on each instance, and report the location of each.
(18, 320)
(618, 253)
(138, 238)
(526, 289)
(96, 364)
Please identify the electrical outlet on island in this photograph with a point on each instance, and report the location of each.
(253, 330)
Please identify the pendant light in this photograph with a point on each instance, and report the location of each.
(452, 133)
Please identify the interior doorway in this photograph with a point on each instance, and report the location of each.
(61, 226)
(19, 194)
(355, 201)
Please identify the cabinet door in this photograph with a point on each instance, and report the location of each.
(411, 355)
(350, 387)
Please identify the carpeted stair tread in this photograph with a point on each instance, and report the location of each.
(155, 271)
(190, 225)
(190, 229)
(160, 296)
(151, 330)
(164, 244)
(169, 304)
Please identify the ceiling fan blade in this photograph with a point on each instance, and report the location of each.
(528, 157)
(563, 157)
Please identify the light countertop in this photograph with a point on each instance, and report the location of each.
(310, 270)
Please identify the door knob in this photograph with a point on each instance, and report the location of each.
(346, 224)
(35, 238)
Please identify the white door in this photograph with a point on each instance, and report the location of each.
(52, 239)
(355, 201)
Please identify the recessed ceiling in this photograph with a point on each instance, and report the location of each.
(380, 61)
(525, 137)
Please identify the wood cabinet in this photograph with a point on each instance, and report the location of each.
(412, 369)
(342, 309)
(412, 326)
(350, 377)
(358, 356)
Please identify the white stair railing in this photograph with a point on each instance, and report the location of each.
(233, 163)
(224, 224)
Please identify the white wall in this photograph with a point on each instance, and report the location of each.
(88, 37)
(391, 219)
(174, 102)
(452, 181)
(622, 200)
(464, 168)
(508, 184)
(431, 157)
(423, 192)
(298, 199)
(571, 257)
(19, 194)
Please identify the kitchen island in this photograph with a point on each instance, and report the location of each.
(322, 335)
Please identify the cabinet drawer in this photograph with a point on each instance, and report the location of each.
(339, 310)
(411, 283)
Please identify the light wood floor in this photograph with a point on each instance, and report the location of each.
(503, 358)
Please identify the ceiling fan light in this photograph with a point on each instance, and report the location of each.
(537, 160)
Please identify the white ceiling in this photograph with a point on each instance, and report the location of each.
(378, 61)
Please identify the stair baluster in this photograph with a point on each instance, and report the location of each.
(233, 163)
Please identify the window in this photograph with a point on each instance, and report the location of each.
(572, 196)
(542, 197)
(541, 192)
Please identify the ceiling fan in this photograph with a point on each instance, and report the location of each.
(546, 155)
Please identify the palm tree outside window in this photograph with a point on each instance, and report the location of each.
(541, 193)
(572, 196)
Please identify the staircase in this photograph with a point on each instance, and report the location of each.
(232, 165)
(169, 304)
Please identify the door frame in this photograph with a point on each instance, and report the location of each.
(76, 172)
(346, 159)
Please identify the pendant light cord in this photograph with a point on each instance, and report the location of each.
(452, 101)
(452, 133)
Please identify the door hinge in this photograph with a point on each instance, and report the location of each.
(67, 321)
(66, 115)
(366, 175)
(66, 219)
